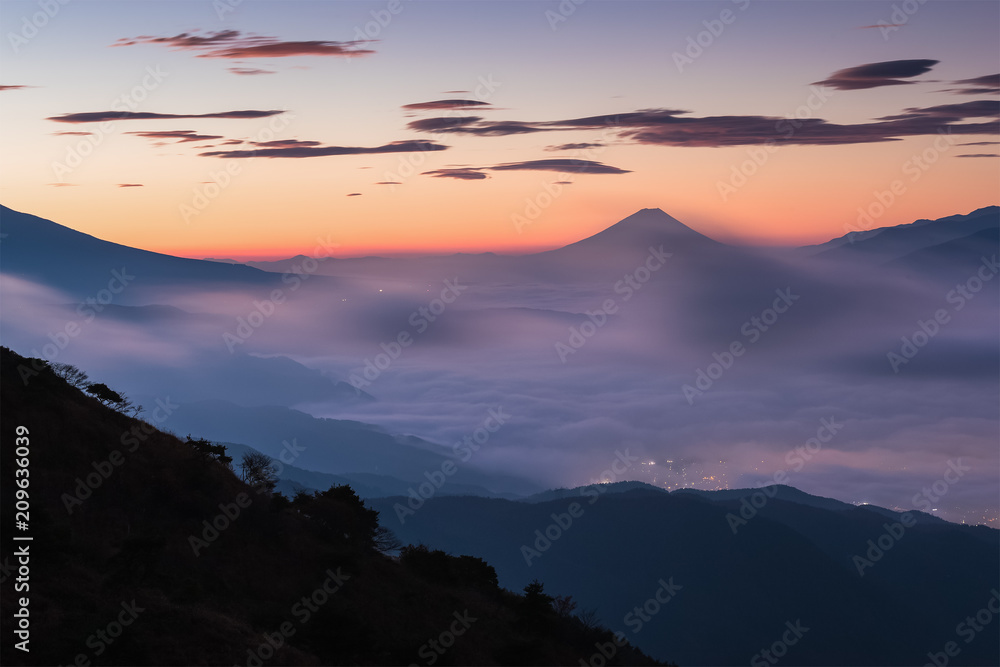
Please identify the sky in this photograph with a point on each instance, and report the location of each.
(252, 129)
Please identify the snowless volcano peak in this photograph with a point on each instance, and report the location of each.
(648, 226)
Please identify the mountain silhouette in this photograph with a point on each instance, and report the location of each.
(212, 570)
(786, 561)
(647, 227)
(888, 243)
(81, 265)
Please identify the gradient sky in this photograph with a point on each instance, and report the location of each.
(605, 58)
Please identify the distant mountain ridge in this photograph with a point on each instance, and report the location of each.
(626, 243)
(848, 574)
(81, 261)
(888, 243)
(80, 264)
(781, 492)
(218, 571)
(340, 447)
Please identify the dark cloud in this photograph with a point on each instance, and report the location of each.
(234, 44)
(101, 116)
(562, 165)
(465, 174)
(951, 112)
(980, 143)
(18, 87)
(308, 149)
(672, 127)
(979, 155)
(73, 134)
(443, 124)
(873, 75)
(448, 104)
(474, 125)
(131, 185)
(179, 136)
(285, 143)
(354, 194)
(574, 147)
(250, 71)
(981, 85)
(388, 183)
(563, 183)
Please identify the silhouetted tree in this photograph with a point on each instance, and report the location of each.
(71, 374)
(535, 597)
(386, 541)
(536, 615)
(259, 471)
(104, 394)
(211, 451)
(128, 407)
(589, 618)
(564, 605)
(302, 499)
(341, 514)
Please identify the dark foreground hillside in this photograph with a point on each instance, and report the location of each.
(146, 550)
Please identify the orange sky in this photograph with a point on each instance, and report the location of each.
(762, 66)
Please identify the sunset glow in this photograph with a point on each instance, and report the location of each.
(771, 61)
